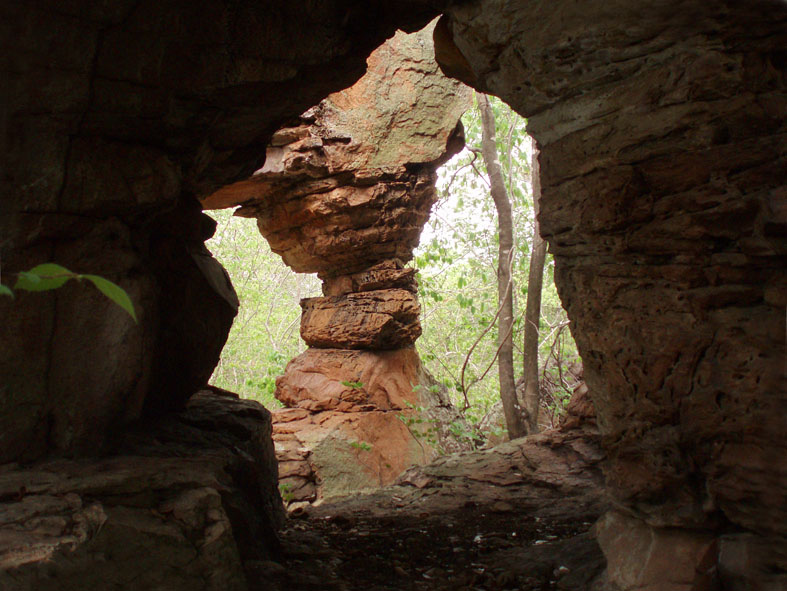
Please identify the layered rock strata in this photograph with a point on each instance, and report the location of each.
(188, 501)
(663, 160)
(345, 192)
(347, 424)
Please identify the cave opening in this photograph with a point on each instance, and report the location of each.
(661, 129)
(360, 410)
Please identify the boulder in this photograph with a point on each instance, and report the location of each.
(378, 320)
(389, 274)
(185, 502)
(348, 381)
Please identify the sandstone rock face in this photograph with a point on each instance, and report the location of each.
(382, 319)
(344, 429)
(663, 152)
(648, 558)
(389, 274)
(318, 380)
(580, 409)
(188, 501)
(350, 184)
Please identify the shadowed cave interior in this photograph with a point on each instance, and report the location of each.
(662, 138)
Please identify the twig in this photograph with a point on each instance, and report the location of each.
(474, 152)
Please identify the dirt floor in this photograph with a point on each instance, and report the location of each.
(517, 517)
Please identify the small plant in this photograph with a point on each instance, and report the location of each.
(49, 276)
(285, 490)
(353, 385)
(422, 429)
(361, 445)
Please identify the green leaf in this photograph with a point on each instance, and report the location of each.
(114, 292)
(5, 290)
(43, 277)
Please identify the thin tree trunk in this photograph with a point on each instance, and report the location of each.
(511, 409)
(535, 280)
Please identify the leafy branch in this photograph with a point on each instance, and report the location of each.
(49, 276)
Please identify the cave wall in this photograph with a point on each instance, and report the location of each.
(115, 117)
(663, 160)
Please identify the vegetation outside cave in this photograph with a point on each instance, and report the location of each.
(265, 334)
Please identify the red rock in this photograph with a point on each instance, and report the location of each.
(661, 201)
(653, 559)
(320, 379)
(388, 274)
(351, 184)
(383, 319)
(354, 436)
(580, 409)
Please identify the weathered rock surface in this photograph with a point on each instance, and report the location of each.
(344, 429)
(344, 452)
(580, 409)
(351, 183)
(663, 162)
(389, 274)
(324, 379)
(648, 558)
(345, 192)
(382, 319)
(185, 502)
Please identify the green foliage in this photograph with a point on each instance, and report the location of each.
(353, 385)
(264, 336)
(113, 292)
(44, 277)
(285, 490)
(361, 445)
(427, 430)
(49, 276)
(457, 268)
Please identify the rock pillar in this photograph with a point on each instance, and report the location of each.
(345, 192)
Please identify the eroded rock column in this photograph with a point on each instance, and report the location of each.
(345, 192)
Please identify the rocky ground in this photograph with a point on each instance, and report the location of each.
(518, 516)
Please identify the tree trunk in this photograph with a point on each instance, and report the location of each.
(535, 280)
(513, 412)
